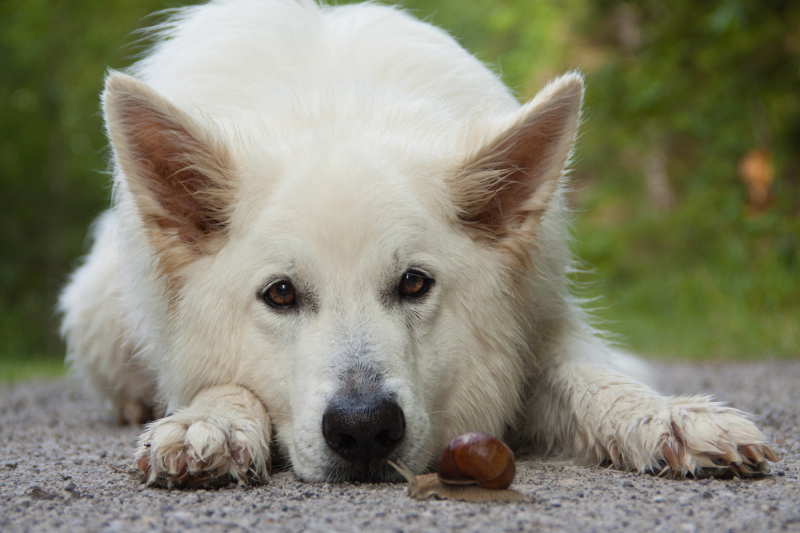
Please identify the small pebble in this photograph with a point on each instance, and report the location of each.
(37, 493)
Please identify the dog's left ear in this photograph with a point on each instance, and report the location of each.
(506, 184)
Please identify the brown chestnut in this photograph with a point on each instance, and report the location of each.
(477, 458)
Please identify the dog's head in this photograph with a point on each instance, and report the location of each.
(370, 285)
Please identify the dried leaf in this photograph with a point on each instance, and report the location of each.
(758, 174)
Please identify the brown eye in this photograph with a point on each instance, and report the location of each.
(414, 285)
(280, 294)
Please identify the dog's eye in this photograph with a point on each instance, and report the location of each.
(280, 294)
(413, 284)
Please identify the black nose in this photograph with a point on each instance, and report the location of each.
(363, 429)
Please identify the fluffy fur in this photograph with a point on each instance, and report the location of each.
(337, 148)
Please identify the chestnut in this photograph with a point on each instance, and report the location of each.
(477, 458)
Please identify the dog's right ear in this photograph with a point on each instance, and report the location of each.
(179, 174)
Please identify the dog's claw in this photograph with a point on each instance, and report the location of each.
(613, 452)
(673, 451)
(240, 453)
(756, 458)
(196, 465)
(143, 463)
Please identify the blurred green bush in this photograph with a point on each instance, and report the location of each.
(692, 261)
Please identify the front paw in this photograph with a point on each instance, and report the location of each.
(199, 450)
(698, 437)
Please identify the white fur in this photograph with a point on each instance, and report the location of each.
(345, 130)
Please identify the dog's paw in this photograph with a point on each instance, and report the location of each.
(199, 450)
(695, 436)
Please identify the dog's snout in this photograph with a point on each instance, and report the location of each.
(365, 429)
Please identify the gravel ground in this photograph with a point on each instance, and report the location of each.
(63, 468)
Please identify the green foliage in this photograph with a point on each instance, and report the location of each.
(677, 93)
(698, 85)
(527, 41)
(53, 56)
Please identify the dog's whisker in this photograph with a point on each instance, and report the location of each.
(439, 412)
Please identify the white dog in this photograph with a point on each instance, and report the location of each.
(334, 224)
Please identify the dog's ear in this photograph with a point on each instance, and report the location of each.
(178, 173)
(508, 180)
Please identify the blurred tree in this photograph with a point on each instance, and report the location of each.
(53, 55)
(678, 93)
(702, 89)
(715, 79)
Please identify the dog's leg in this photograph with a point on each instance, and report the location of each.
(596, 414)
(223, 435)
(100, 347)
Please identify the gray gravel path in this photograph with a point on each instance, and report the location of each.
(62, 468)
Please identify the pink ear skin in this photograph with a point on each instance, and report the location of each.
(508, 181)
(179, 175)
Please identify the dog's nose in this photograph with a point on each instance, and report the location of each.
(363, 429)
